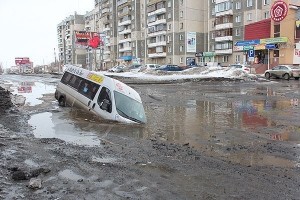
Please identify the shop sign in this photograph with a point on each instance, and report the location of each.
(208, 54)
(238, 48)
(270, 46)
(247, 42)
(274, 40)
(279, 11)
(260, 47)
(246, 48)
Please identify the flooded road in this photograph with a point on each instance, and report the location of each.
(216, 118)
(203, 140)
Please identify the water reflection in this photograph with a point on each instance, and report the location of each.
(32, 91)
(50, 125)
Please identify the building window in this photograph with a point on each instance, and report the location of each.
(169, 27)
(238, 5)
(225, 58)
(169, 15)
(181, 2)
(249, 16)
(237, 32)
(181, 25)
(237, 58)
(181, 60)
(169, 38)
(276, 53)
(249, 3)
(238, 18)
(169, 4)
(181, 14)
(169, 49)
(213, 35)
(181, 49)
(180, 37)
(267, 14)
(170, 60)
(266, 2)
(276, 30)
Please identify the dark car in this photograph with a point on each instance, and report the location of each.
(169, 68)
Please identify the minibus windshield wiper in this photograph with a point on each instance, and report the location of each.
(127, 116)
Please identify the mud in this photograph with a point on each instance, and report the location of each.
(231, 162)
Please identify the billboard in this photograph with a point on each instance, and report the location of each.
(191, 42)
(22, 60)
(82, 38)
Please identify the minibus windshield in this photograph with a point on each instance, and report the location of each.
(129, 108)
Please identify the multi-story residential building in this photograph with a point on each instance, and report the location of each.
(228, 19)
(68, 52)
(145, 31)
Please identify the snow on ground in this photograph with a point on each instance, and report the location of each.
(192, 73)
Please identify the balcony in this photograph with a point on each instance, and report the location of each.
(224, 26)
(157, 55)
(220, 1)
(160, 21)
(227, 12)
(105, 10)
(121, 2)
(126, 22)
(156, 44)
(223, 51)
(224, 38)
(106, 52)
(124, 49)
(125, 31)
(157, 33)
(124, 40)
(106, 29)
(157, 12)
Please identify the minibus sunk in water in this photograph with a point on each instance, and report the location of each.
(99, 94)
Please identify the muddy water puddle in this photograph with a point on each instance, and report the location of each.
(32, 91)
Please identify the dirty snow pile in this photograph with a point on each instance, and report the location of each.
(192, 73)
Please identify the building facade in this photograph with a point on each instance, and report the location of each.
(68, 53)
(228, 19)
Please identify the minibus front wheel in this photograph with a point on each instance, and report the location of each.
(62, 101)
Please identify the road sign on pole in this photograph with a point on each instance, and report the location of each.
(251, 54)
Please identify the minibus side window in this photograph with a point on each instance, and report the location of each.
(104, 99)
(66, 78)
(88, 88)
(74, 82)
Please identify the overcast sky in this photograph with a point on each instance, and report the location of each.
(29, 27)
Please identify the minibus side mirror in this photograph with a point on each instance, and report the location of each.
(104, 105)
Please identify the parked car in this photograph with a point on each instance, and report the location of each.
(169, 68)
(135, 68)
(245, 68)
(283, 71)
(117, 69)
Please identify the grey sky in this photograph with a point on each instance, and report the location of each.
(29, 27)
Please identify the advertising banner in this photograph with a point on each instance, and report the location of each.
(191, 42)
(22, 60)
(82, 38)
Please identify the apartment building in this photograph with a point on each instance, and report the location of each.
(68, 53)
(228, 19)
(150, 31)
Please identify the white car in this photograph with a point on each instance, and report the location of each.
(245, 68)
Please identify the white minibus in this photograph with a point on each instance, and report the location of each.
(100, 95)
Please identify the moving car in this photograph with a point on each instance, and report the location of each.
(117, 69)
(245, 68)
(169, 68)
(100, 95)
(283, 71)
